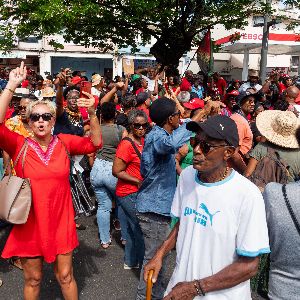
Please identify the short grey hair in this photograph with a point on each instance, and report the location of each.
(184, 96)
(133, 114)
(50, 104)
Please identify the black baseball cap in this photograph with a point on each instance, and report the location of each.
(218, 127)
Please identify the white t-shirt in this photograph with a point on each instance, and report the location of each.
(245, 86)
(95, 92)
(151, 83)
(218, 222)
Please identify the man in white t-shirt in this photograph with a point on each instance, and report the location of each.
(98, 83)
(151, 77)
(252, 83)
(222, 226)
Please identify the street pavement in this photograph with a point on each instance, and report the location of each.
(99, 273)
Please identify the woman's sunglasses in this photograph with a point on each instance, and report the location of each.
(204, 146)
(36, 117)
(139, 126)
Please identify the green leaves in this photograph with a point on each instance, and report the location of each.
(105, 23)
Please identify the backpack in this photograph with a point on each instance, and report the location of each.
(271, 168)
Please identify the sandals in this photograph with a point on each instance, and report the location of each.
(80, 227)
(15, 262)
(105, 245)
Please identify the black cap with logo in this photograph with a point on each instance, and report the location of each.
(218, 127)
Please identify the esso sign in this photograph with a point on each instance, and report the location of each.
(251, 36)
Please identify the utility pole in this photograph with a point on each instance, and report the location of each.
(265, 45)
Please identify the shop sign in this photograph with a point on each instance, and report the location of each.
(251, 36)
(13, 55)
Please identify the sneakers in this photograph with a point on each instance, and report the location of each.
(126, 267)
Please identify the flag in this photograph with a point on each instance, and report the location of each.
(205, 53)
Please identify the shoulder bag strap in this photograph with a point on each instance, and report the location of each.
(273, 153)
(134, 146)
(289, 207)
(22, 150)
(24, 156)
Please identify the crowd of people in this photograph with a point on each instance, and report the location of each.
(196, 163)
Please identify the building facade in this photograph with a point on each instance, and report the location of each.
(232, 61)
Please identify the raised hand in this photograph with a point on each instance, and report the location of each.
(119, 85)
(16, 76)
(86, 102)
(214, 107)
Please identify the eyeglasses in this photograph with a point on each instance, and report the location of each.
(204, 146)
(21, 107)
(139, 126)
(36, 117)
(177, 113)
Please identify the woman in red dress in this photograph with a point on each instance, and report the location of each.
(49, 234)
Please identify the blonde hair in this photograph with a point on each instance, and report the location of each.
(50, 104)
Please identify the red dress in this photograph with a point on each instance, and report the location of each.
(50, 229)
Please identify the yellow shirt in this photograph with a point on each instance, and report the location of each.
(15, 124)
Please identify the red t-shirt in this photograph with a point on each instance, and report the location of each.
(146, 111)
(221, 85)
(126, 152)
(140, 90)
(185, 85)
(9, 113)
(281, 87)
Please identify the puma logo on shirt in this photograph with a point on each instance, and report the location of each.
(204, 207)
(201, 218)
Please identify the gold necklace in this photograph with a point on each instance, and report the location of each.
(225, 173)
(74, 117)
(73, 113)
(227, 169)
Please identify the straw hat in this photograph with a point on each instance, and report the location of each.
(48, 92)
(20, 92)
(279, 127)
(253, 73)
(96, 79)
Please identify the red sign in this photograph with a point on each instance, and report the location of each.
(251, 36)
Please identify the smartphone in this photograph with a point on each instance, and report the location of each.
(85, 86)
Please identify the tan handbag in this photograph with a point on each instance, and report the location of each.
(15, 194)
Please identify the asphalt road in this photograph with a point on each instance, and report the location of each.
(99, 273)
